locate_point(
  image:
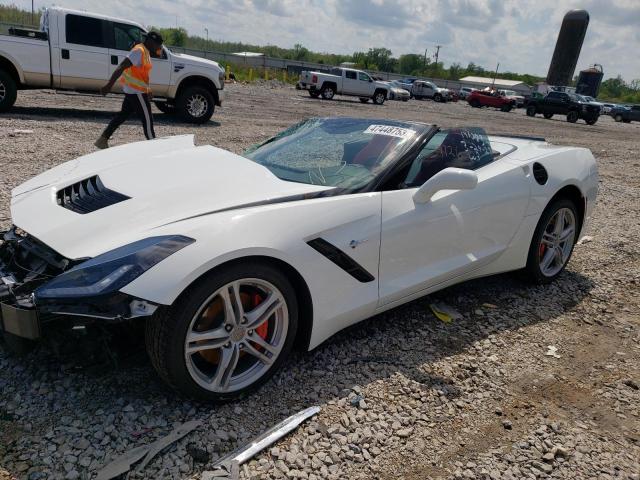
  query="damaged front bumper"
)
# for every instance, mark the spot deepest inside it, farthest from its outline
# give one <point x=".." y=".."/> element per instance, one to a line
<point x="27" y="264"/>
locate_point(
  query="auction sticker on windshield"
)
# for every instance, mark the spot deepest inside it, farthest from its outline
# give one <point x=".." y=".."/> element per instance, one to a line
<point x="390" y="131"/>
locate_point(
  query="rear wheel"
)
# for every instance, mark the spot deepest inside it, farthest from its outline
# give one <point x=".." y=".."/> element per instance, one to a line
<point x="531" y="111"/>
<point x="475" y="103"/>
<point x="196" y="104"/>
<point x="314" y="93"/>
<point x="8" y="91"/>
<point x="328" y="92"/>
<point x="506" y="108"/>
<point x="227" y="335"/>
<point x="553" y="242"/>
<point x="547" y="115"/>
<point x="618" y="118"/>
<point x="572" y="117"/>
<point x="591" y="121"/>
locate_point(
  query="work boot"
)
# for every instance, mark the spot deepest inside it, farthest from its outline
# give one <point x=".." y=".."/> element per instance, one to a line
<point x="102" y="142"/>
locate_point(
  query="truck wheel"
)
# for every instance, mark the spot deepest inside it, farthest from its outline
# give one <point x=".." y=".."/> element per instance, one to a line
<point x="364" y="100"/>
<point x="328" y="92"/>
<point x="618" y="118"/>
<point x="591" y="121"/>
<point x="314" y="93"/>
<point x="379" y="98"/>
<point x="572" y="117"/>
<point x="547" y="115"/>
<point x="8" y="91"/>
<point x="165" y="107"/>
<point x="475" y="103"/>
<point x="196" y="104"/>
<point x="437" y="97"/>
<point x="506" y="108"/>
<point x="531" y="111"/>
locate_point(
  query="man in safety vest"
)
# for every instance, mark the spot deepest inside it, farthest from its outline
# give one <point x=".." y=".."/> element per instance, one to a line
<point x="134" y="72"/>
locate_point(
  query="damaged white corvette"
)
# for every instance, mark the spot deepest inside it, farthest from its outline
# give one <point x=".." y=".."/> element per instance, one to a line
<point x="232" y="260"/>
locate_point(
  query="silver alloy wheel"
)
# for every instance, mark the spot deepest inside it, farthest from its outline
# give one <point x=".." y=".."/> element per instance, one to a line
<point x="197" y="105"/>
<point x="328" y="93"/>
<point x="557" y="241"/>
<point x="3" y="90"/>
<point x="245" y="343"/>
<point x="380" y="98"/>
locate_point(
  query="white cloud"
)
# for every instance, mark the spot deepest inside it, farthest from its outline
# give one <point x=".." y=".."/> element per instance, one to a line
<point x="520" y="34"/>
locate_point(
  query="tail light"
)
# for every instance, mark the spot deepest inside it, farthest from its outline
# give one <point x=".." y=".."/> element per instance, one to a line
<point x="314" y="79"/>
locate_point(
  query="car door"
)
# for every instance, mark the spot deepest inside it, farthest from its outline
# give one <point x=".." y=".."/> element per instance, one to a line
<point x="124" y="38"/>
<point x="350" y="82"/>
<point x="457" y="231"/>
<point x="366" y="87"/>
<point x="84" y="53"/>
<point x="429" y="90"/>
<point x="634" y="114"/>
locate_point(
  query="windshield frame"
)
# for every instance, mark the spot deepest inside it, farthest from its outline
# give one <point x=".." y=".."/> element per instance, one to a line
<point x="424" y="133"/>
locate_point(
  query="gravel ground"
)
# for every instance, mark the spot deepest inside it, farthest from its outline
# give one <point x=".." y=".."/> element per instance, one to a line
<point x="403" y="395"/>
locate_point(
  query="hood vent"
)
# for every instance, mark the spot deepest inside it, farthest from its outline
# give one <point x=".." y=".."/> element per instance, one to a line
<point x="88" y="196"/>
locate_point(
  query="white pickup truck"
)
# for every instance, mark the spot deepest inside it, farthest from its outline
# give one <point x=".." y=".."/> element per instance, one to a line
<point x="344" y="81"/>
<point x="79" y="51"/>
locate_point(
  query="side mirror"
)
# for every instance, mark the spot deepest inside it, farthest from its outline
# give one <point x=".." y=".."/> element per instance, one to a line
<point x="447" y="179"/>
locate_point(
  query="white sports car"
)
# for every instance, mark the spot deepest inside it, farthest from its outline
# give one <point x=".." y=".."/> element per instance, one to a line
<point x="231" y="260"/>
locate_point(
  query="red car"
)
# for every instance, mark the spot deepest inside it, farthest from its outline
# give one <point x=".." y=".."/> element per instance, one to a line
<point x="482" y="98"/>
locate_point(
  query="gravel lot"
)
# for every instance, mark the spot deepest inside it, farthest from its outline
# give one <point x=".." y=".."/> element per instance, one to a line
<point x="403" y="395"/>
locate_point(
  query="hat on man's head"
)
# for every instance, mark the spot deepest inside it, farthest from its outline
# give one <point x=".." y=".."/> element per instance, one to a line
<point x="155" y="36"/>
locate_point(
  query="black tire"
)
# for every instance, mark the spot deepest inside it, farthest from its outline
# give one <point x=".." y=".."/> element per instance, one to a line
<point x="314" y="93"/>
<point x="328" y="92"/>
<point x="167" y="108"/>
<point x="8" y="91"/>
<point x="475" y="103"/>
<point x="18" y="346"/>
<point x="547" y="115"/>
<point x="591" y="121"/>
<point x="405" y="99"/>
<point x="165" y="332"/>
<point x="533" y="272"/>
<point x="618" y="118"/>
<point x="195" y="104"/>
<point x="437" y="97"/>
<point x="379" y="97"/>
<point x="572" y="116"/>
<point x="364" y="100"/>
<point x="531" y="111"/>
<point x="506" y="108"/>
<point x="626" y="121"/>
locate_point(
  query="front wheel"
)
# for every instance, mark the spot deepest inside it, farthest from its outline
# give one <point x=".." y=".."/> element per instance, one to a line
<point x="547" y="115"/>
<point x="553" y="242"/>
<point x="8" y="91"/>
<point x="591" y="121"/>
<point x="379" y="98"/>
<point x="475" y="103"/>
<point x="506" y="108"/>
<point x="618" y="118"/>
<point x="437" y="97"/>
<point x="531" y="111"/>
<point x="572" y="117"/>
<point x="196" y="104"/>
<point x="227" y="335"/>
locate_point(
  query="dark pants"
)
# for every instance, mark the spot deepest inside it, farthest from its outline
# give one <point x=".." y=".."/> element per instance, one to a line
<point x="136" y="103"/>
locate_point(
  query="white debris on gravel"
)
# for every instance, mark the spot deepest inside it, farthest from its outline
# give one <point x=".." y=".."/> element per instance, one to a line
<point x="403" y="395"/>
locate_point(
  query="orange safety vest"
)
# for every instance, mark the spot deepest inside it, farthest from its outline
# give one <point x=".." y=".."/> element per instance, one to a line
<point x="138" y="77"/>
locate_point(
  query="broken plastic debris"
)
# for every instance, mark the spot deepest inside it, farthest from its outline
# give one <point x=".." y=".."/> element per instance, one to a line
<point x="231" y="462"/>
<point x="445" y="313"/>
<point x="124" y="463"/>
<point x="22" y="132"/>
<point x="489" y="305"/>
<point x="552" y="351"/>
<point x="585" y="239"/>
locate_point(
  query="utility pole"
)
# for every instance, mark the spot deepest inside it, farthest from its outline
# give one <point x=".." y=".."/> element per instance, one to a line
<point x="493" y="85"/>
<point x="207" y="30"/>
<point x="32" y="12"/>
<point x="425" y="58"/>
<point x="437" y="53"/>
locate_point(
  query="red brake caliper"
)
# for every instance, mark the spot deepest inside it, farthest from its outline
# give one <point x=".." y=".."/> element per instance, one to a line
<point x="262" y="330"/>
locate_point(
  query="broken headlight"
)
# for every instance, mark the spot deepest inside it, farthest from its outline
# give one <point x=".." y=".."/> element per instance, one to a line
<point x="109" y="272"/>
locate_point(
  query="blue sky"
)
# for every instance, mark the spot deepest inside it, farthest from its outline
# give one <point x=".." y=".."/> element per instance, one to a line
<point x="520" y="34"/>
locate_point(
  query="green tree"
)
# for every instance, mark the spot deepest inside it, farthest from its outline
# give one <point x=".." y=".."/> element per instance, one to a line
<point x="410" y="63"/>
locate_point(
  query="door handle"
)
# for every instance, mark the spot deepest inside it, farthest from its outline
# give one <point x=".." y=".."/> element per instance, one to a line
<point x="65" y="54"/>
<point x="114" y="60"/>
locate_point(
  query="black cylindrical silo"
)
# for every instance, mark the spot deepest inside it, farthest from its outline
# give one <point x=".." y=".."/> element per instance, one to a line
<point x="565" y="56"/>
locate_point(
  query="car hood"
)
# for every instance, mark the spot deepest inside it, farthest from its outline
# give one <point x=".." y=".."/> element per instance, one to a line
<point x="167" y="180"/>
<point x="197" y="61"/>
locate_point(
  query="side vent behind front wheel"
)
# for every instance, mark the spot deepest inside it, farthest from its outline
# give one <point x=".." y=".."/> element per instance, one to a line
<point x="540" y="173"/>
